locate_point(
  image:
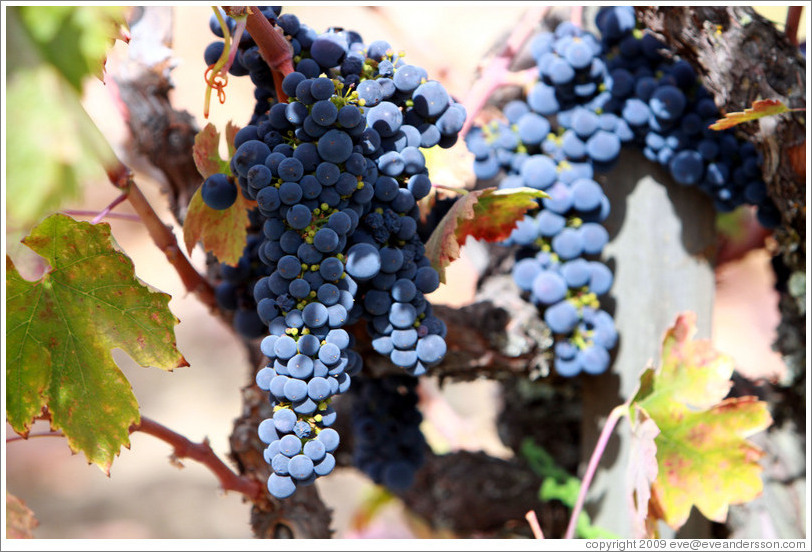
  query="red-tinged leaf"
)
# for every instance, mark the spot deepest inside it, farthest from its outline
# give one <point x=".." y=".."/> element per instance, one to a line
<point x="206" y="152"/>
<point x="703" y="457"/>
<point x="642" y="470"/>
<point x="221" y="232"/>
<point x="62" y="328"/>
<point x="761" y="108"/>
<point x="231" y="132"/>
<point x="20" y="520"/>
<point x="489" y="215"/>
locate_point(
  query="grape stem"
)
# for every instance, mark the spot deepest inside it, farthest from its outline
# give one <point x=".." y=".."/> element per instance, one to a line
<point x="32" y="435"/>
<point x="122" y="178"/>
<point x="106" y="211"/>
<point x="793" y="21"/>
<point x="615" y="415"/>
<point x="495" y="74"/>
<point x="203" y="453"/>
<point x="183" y="448"/>
<point x="531" y="518"/>
<point x="275" y="49"/>
<point x="83" y="213"/>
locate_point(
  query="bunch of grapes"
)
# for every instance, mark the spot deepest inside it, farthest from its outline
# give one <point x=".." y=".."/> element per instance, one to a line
<point x="336" y="172"/>
<point x="593" y="97"/>
<point x="388" y="444"/>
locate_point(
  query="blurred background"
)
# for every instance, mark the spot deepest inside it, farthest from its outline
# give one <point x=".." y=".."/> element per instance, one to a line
<point x="148" y="497"/>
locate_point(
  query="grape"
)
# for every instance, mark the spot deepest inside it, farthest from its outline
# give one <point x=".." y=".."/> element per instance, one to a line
<point x="431" y="349"/>
<point x="430" y="99"/>
<point x="325" y="466"/>
<point x="363" y="261"/>
<point x="576" y="273"/>
<point x="385" y="118"/>
<point x="548" y="287"/>
<point x="593" y="360"/>
<point x="561" y="317"/>
<point x="218" y="192"/>
<point x="281" y="486"/>
<point x="524" y="273"/>
<point x="335" y="146"/>
<point x="667" y="102"/>
<point x="539" y="172"/>
<point x="594" y="237"/>
<point x="687" y="167"/>
<point x="550" y="224"/>
<point x="568" y="244"/>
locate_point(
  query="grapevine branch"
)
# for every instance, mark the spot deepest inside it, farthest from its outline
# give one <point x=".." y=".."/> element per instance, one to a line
<point x="793" y="21"/>
<point x="121" y="177"/>
<point x="203" y="453"/>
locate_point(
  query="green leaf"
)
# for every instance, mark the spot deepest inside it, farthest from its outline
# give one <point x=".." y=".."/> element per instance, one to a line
<point x="761" y="108"/>
<point x="703" y="457"/>
<point x="20" y="520"/>
<point x="55" y="146"/>
<point x="72" y="39"/>
<point x="489" y="214"/>
<point x="60" y="331"/>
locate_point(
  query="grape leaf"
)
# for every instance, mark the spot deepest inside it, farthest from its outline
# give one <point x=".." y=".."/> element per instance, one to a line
<point x="60" y="331"/>
<point x="703" y="456"/>
<point x="20" y="520"/>
<point x="231" y="133"/>
<point x="761" y="108"/>
<point x="221" y="232"/>
<point x="488" y="214"/>
<point x="73" y="39"/>
<point x="56" y="145"/>
<point x="642" y="471"/>
<point x="206" y="152"/>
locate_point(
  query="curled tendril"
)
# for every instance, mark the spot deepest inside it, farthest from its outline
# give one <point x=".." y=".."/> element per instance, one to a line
<point x="218" y="81"/>
<point x="216" y="75"/>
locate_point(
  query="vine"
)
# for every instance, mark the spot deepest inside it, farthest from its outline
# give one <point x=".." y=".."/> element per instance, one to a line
<point x="59" y="366"/>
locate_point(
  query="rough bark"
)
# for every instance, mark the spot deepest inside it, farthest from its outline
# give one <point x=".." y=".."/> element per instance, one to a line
<point x="162" y="137"/>
<point x="741" y="57"/>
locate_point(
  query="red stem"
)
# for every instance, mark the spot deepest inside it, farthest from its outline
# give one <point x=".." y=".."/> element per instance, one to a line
<point x="32" y="435"/>
<point x="600" y="448"/>
<point x="577" y="16"/>
<point x="106" y="211"/>
<point x="496" y="73"/>
<point x="534" y="524"/>
<point x="122" y="178"/>
<point x="82" y="213"/>
<point x="203" y="453"/>
<point x="275" y="49"/>
<point x="793" y="21"/>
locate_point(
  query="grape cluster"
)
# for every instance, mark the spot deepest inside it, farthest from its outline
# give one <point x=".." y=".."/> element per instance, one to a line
<point x="388" y="444"/>
<point x="234" y="292"/>
<point x="336" y="172"/>
<point x="593" y="97"/>
<point x="670" y="112"/>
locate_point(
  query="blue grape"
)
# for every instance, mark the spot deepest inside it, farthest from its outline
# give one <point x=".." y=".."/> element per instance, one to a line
<point x="218" y="192"/>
